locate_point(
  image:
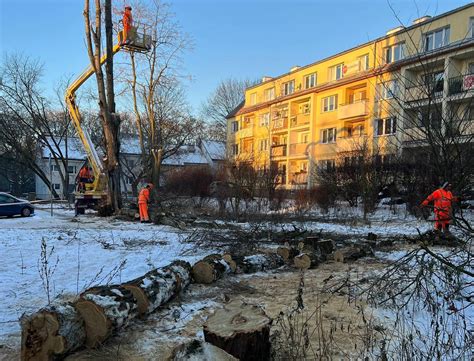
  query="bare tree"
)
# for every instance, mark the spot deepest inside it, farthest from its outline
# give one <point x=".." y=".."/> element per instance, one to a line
<point x="225" y="98"/>
<point x="110" y="123"/>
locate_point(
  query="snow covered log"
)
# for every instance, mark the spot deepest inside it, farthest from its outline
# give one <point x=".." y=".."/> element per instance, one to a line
<point x="259" y="262"/>
<point x="240" y="329"/>
<point x="51" y="332"/>
<point x="105" y="309"/>
<point x="210" y="269"/>
<point x="352" y="253"/>
<point x="159" y="285"/>
<point x="199" y="350"/>
<point x="287" y="253"/>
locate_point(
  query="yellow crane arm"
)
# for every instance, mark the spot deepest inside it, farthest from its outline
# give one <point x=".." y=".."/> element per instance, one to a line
<point x="91" y="152"/>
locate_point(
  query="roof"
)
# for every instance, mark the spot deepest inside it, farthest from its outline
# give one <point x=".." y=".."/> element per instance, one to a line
<point x="75" y="150"/>
<point x="234" y="112"/>
<point x="215" y="149"/>
<point x="186" y="155"/>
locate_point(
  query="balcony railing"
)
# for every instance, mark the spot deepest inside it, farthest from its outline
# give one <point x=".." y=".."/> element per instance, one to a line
<point x="279" y="150"/>
<point x="351" y="110"/>
<point x="300" y="119"/>
<point x="299" y="178"/>
<point x="245" y="132"/>
<point x="280" y="124"/>
<point x="424" y="91"/>
<point x="298" y="148"/>
<point x="461" y="84"/>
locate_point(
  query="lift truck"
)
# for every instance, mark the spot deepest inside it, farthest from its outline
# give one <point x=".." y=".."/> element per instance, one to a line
<point x="94" y="195"/>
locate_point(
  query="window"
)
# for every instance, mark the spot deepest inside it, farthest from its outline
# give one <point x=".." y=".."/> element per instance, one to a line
<point x="263" y="145"/>
<point x="330" y="103"/>
<point x="234" y="126"/>
<point x="327" y="164"/>
<point x="304" y="138"/>
<point x="305" y="108"/>
<point x="436" y="39"/>
<point x="129" y="180"/>
<point x="470" y="68"/>
<point x="57" y="186"/>
<point x="336" y="72"/>
<point x="71" y="169"/>
<point x="356" y="131"/>
<point x="471" y="27"/>
<point x="253" y="98"/>
<point x="430" y="118"/>
<point x="130" y="163"/>
<point x="434" y="82"/>
<point x="235" y="149"/>
<point x="269" y="94"/>
<point x="328" y="135"/>
<point x="54" y="168"/>
<point x="6" y="199"/>
<point x="363" y="62"/>
<point x="265" y="120"/>
<point x="310" y="81"/>
<point x="386" y="126"/>
<point x="304" y="167"/>
<point x="288" y="88"/>
<point x="388" y="89"/>
<point x="394" y="53"/>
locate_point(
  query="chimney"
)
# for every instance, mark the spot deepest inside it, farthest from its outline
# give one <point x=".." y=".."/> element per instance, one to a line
<point x="266" y="78"/>
<point x="395" y="30"/>
<point x="296" y="67"/>
<point x="421" y="20"/>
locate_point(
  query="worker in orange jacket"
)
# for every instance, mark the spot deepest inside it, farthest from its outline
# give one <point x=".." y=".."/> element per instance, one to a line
<point x="143" y="200"/>
<point x="127" y="21"/>
<point x="443" y="200"/>
<point x="85" y="176"/>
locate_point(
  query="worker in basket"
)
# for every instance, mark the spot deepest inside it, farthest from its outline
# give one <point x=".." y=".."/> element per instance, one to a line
<point x="85" y="176"/>
<point x="443" y="202"/>
<point x="143" y="200"/>
<point x="127" y="22"/>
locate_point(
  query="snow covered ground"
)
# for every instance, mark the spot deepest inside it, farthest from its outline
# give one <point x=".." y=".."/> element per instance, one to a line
<point x="88" y="250"/>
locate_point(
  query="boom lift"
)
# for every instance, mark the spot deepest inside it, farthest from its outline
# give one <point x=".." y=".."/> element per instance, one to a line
<point x="95" y="194"/>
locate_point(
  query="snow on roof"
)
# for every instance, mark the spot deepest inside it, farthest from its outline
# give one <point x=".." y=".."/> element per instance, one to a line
<point x="75" y="150"/>
<point x="188" y="154"/>
<point x="215" y="149"/>
<point x="130" y="146"/>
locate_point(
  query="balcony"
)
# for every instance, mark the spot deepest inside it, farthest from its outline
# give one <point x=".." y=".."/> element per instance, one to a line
<point x="461" y="84"/>
<point x="245" y="132"/>
<point x="279" y="150"/>
<point x="347" y="144"/>
<point x="280" y="124"/>
<point x="299" y="178"/>
<point x="300" y="119"/>
<point x="298" y="149"/>
<point x="352" y="110"/>
<point x="431" y="90"/>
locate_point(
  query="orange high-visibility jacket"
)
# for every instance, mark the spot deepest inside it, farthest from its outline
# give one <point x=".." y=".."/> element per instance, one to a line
<point x="144" y="196"/>
<point x="127" y="19"/>
<point x="84" y="173"/>
<point x="442" y="199"/>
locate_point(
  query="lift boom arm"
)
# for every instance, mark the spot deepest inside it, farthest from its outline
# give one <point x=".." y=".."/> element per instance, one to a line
<point x="91" y="152"/>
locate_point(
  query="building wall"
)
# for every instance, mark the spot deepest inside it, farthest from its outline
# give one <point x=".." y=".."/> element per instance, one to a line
<point x="300" y="125"/>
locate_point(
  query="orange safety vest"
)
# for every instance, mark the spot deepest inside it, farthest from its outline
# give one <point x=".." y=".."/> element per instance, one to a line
<point x="84" y="173"/>
<point x="144" y="196"/>
<point x="442" y="199"/>
<point x="127" y="19"/>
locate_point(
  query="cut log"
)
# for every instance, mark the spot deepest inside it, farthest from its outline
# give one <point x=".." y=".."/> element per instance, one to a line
<point x="159" y="285"/>
<point x="210" y="269"/>
<point x="259" y="262"/>
<point x="306" y="260"/>
<point x="352" y="253"/>
<point x="52" y="331"/>
<point x="227" y="257"/>
<point x="287" y="253"/>
<point x="105" y="309"/>
<point x="198" y="350"/>
<point x="325" y="247"/>
<point x="240" y="329"/>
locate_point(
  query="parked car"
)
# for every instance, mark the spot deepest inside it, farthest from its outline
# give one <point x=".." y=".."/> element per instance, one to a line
<point x="11" y="206"/>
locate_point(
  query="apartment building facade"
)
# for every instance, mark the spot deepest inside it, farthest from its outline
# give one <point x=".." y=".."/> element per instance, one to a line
<point x="375" y="97"/>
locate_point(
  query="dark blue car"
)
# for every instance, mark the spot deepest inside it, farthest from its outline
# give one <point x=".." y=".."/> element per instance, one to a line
<point x="11" y="206"/>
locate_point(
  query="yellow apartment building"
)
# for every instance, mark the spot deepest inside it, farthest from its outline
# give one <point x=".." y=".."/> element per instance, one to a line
<point x="368" y="97"/>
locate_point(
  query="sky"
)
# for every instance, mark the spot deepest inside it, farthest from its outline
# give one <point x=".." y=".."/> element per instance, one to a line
<point x="242" y="39"/>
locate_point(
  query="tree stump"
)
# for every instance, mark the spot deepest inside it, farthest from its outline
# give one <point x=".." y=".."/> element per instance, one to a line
<point x="325" y="246"/>
<point x="159" y="286"/>
<point x="210" y="269"/>
<point x="351" y="253"/>
<point x="105" y="309"/>
<point x="199" y="350"/>
<point x="52" y="331"/>
<point x="241" y="330"/>
<point x="287" y="253"/>
<point x="306" y="260"/>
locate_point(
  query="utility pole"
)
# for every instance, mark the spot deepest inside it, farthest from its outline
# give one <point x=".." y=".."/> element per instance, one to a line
<point x="51" y="183"/>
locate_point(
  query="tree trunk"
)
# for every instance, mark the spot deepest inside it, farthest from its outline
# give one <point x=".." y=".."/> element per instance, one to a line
<point x="160" y="285"/>
<point x="240" y="329"/>
<point x="259" y="262"/>
<point x="52" y="331"/>
<point x="352" y="253"/>
<point x="210" y="269"/>
<point x="105" y="309"/>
